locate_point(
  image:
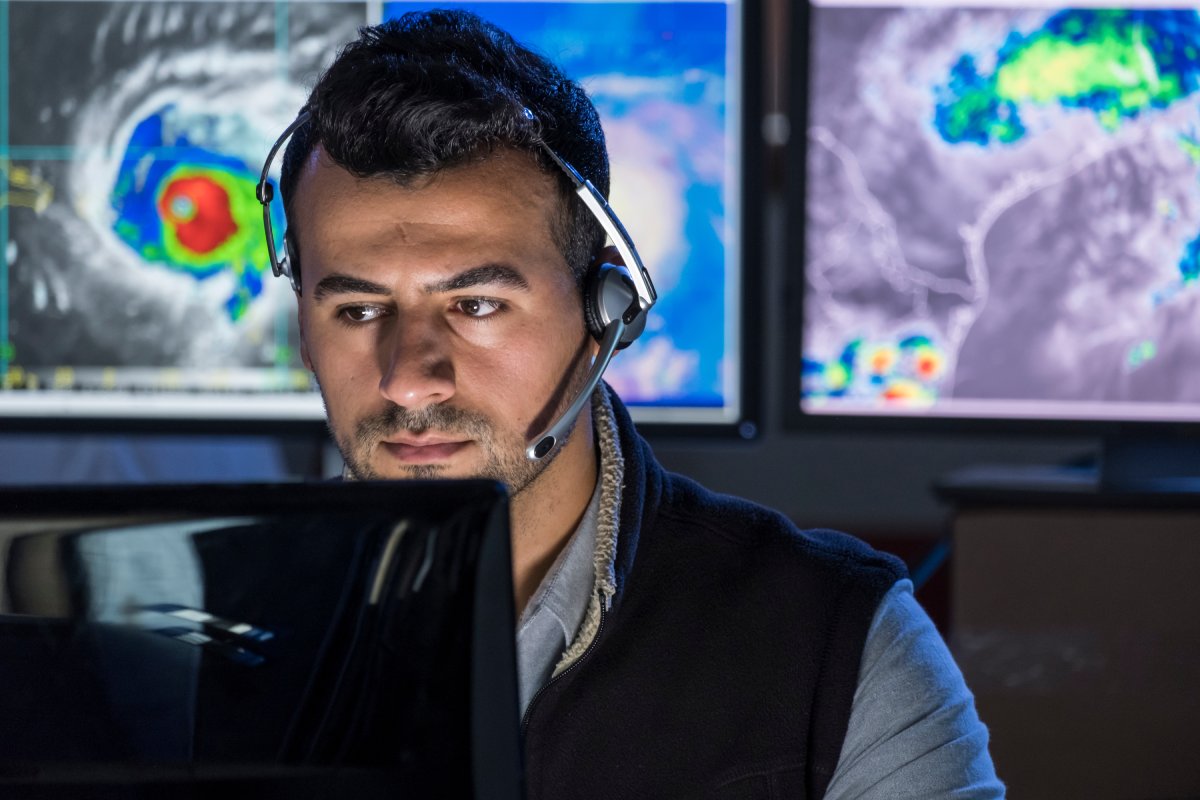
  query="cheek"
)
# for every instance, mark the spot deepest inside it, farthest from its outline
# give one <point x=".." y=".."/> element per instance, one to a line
<point x="334" y="350"/>
<point x="342" y="373"/>
<point x="519" y="376"/>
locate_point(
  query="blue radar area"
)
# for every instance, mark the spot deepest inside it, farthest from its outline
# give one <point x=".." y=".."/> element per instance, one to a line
<point x="1189" y="265"/>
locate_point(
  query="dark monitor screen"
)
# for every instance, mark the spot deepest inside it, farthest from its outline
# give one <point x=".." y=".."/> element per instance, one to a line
<point x="995" y="214"/>
<point x="357" y="637"/>
<point x="137" y="282"/>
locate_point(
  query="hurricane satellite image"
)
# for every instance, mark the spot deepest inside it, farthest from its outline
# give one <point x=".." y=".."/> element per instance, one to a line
<point x="1003" y="212"/>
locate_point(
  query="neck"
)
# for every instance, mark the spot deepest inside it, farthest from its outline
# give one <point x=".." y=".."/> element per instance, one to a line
<point x="549" y="510"/>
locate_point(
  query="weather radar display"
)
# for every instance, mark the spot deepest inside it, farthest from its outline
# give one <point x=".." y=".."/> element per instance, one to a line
<point x="1003" y="212"/>
<point x="137" y="281"/>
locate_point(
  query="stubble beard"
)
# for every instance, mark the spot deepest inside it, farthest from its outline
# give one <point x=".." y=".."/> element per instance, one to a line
<point x="504" y="461"/>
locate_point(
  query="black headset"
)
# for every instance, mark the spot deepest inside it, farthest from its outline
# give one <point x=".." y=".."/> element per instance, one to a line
<point x="616" y="298"/>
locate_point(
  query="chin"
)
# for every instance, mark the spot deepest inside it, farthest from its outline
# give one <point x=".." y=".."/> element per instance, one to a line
<point x="419" y="472"/>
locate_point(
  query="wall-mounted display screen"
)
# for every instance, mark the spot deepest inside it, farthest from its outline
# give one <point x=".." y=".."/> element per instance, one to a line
<point x="137" y="282"/>
<point x="1000" y="213"/>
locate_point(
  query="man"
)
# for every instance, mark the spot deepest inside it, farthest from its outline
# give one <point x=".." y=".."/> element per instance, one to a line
<point x="672" y="643"/>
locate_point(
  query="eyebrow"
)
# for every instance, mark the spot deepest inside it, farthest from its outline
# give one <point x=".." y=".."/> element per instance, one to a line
<point x="488" y="274"/>
<point x="345" y="284"/>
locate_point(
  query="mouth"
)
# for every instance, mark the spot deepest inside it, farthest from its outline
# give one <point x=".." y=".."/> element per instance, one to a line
<point x="424" y="449"/>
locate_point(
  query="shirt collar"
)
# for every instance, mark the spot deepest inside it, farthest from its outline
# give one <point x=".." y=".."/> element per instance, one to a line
<point x="564" y="592"/>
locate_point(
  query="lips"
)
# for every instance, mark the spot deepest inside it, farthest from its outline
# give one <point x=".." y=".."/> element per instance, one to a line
<point x="424" y="450"/>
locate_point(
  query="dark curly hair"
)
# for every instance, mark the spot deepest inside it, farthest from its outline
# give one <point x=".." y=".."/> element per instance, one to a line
<point x="437" y="89"/>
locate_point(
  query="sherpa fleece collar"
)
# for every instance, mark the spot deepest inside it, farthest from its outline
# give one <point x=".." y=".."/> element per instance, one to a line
<point x="612" y="475"/>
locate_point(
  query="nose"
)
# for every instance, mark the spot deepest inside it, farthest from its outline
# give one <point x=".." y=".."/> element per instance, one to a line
<point x="417" y="369"/>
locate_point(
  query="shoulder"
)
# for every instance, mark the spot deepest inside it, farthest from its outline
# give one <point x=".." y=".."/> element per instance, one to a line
<point x="913" y="730"/>
<point x="692" y="511"/>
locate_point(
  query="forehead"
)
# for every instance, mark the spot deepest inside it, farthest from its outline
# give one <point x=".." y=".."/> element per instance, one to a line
<point x="503" y="201"/>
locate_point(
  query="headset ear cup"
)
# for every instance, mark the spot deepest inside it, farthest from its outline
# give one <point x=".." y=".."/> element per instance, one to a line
<point x="608" y="292"/>
<point x="592" y="285"/>
<point x="291" y="254"/>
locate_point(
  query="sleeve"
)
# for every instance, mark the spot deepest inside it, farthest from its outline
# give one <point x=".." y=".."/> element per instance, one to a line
<point x="913" y="730"/>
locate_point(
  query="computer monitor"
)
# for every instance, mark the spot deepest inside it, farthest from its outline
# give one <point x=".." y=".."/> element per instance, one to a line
<point x="137" y="283"/>
<point x="340" y="639"/>
<point x="995" y="217"/>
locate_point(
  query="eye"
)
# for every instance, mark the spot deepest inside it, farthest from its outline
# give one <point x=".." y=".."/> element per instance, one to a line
<point x="360" y="314"/>
<point x="478" y="306"/>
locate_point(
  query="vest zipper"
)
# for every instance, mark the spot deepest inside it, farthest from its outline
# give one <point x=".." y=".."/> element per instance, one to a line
<point x="587" y="652"/>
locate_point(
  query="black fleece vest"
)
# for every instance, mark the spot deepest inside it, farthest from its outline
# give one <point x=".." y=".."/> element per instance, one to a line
<point x="726" y="667"/>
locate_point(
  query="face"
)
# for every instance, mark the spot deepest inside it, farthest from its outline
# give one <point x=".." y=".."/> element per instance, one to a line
<point x="440" y="319"/>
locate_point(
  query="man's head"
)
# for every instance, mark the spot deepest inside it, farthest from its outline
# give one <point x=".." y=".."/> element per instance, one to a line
<point x="435" y="90"/>
<point x="442" y="250"/>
